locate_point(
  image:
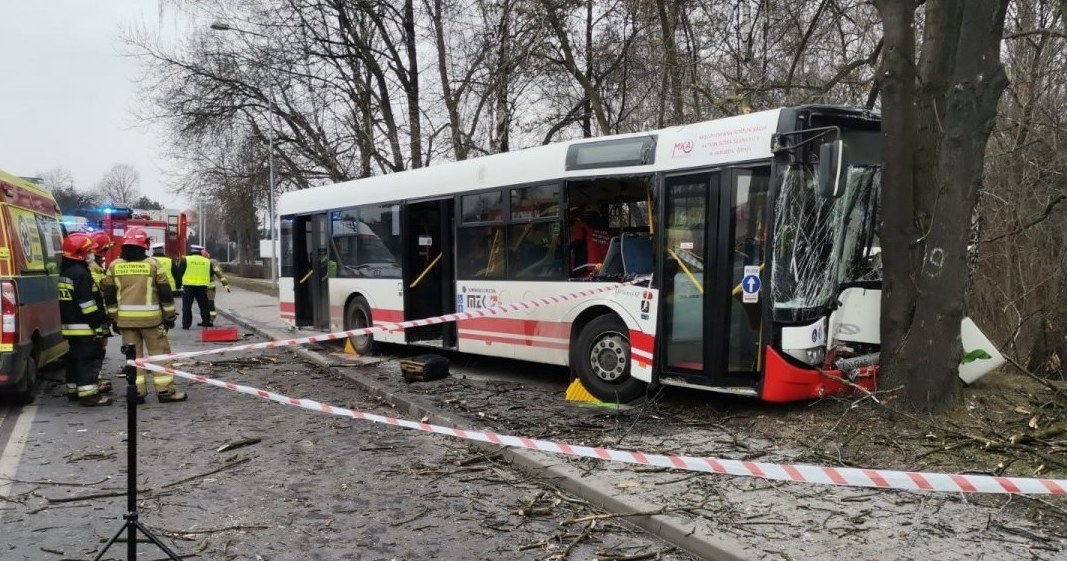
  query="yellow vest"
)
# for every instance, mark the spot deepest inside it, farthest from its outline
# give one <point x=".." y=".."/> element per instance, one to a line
<point x="97" y="271"/>
<point x="165" y="263"/>
<point x="197" y="271"/>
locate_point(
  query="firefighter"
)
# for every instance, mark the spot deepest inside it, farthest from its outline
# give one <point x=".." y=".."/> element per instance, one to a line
<point x="83" y="320"/>
<point x="159" y="254"/>
<point x="138" y="297"/>
<point x="216" y="274"/>
<point x="101" y="244"/>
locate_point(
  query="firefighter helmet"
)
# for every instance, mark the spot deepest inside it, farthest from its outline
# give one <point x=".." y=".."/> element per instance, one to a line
<point x="101" y="240"/>
<point x="136" y="237"/>
<point x="77" y="246"/>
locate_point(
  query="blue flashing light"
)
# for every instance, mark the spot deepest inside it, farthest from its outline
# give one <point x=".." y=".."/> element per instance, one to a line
<point x="108" y="210"/>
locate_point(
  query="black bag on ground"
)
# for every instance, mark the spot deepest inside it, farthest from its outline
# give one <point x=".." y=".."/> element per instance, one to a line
<point x="424" y="368"/>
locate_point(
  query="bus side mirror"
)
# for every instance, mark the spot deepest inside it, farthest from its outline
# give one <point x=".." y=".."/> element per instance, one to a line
<point x="833" y="169"/>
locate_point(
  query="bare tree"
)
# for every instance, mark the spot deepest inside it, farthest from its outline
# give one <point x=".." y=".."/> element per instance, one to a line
<point x="120" y="184"/>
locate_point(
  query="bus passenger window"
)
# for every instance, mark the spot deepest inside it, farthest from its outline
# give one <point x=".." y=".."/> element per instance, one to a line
<point x="534" y="251"/>
<point x="481" y="252"/>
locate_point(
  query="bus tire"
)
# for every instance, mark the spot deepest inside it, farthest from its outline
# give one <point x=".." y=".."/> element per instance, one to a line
<point x="602" y="360"/>
<point x="358" y="316"/>
<point x="24" y="395"/>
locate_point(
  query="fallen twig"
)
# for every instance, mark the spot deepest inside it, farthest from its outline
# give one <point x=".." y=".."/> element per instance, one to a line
<point x="212" y="472"/>
<point x="238" y="444"/>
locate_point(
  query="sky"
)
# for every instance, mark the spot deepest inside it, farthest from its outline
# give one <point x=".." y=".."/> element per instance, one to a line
<point x="68" y="92"/>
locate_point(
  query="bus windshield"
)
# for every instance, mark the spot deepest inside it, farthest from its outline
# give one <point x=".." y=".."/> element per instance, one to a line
<point x="822" y="242"/>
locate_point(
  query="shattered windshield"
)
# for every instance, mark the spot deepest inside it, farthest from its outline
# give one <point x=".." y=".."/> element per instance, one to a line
<point x="822" y="242"/>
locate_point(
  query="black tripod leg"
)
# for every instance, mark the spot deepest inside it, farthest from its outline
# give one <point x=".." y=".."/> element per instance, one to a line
<point x="155" y="540"/>
<point x="111" y="541"/>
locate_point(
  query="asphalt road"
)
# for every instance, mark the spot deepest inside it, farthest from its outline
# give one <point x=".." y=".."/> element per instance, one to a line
<point x="303" y="486"/>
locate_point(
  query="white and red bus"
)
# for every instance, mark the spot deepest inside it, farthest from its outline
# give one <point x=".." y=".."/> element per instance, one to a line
<point x="757" y="233"/>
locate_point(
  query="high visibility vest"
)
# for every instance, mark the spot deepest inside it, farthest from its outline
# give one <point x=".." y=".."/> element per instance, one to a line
<point x="165" y="263"/>
<point x="197" y="271"/>
<point x="97" y="271"/>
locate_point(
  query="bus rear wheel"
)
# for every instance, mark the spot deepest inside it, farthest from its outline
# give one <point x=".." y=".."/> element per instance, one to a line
<point x="602" y="360"/>
<point x="358" y="316"/>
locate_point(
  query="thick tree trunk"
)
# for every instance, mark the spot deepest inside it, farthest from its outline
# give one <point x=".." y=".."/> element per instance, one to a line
<point x="961" y="80"/>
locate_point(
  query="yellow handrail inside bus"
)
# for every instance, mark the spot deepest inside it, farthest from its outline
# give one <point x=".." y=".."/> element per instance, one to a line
<point x="307" y="276"/>
<point x="428" y="267"/>
<point x="648" y="207"/>
<point x="737" y="289"/>
<point x="685" y="269"/>
<point x="493" y="251"/>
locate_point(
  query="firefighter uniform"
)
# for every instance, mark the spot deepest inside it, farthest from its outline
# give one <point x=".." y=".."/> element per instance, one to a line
<point x="102" y="243"/>
<point x="83" y="322"/>
<point x="139" y="299"/>
<point x="216" y="274"/>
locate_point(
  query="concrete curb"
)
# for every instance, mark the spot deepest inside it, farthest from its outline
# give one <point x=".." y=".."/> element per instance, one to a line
<point x="672" y="529"/>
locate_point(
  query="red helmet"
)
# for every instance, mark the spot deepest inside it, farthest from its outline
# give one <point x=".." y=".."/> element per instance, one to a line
<point x="137" y="237"/>
<point x="77" y="246"/>
<point x="101" y="240"/>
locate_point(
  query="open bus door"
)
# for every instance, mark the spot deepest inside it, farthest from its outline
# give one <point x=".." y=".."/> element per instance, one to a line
<point x="311" y="271"/>
<point x="429" y="290"/>
<point x="712" y="245"/>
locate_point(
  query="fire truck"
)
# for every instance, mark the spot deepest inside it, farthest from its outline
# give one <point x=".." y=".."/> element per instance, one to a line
<point x="168" y="226"/>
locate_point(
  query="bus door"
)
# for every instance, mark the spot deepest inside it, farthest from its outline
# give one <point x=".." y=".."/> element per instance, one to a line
<point x="429" y="290"/>
<point x="688" y="302"/>
<point x="312" y="270"/>
<point x="713" y="295"/>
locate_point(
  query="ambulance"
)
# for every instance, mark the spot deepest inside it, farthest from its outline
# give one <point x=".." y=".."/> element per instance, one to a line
<point x="31" y="242"/>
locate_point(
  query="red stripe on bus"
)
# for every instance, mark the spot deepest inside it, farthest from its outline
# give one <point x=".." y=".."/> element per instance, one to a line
<point x="287" y="306"/>
<point x="512" y="326"/>
<point x="382" y="315"/>
<point x="642" y="341"/>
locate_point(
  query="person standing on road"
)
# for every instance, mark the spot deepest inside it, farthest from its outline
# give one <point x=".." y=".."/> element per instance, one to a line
<point x="138" y="297"/>
<point x="195" y="280"/>
<point x="83" y="322"/>
<point x="160" y="255"/>
<point x="101" y="244"/>
<point x="216" y="273"/>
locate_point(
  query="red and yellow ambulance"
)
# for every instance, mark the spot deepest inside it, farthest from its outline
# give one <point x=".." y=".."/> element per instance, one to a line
<point x="31" y="241"/>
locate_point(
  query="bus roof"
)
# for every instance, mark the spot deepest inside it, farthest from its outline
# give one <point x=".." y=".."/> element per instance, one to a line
<point x="707" y="143"/>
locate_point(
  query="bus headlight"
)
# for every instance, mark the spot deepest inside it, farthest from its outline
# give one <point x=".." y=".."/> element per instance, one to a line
<point x="810" y="355"/>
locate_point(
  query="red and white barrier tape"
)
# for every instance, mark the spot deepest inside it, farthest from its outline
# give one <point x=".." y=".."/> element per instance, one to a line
<point x="849" y="477"/>
<point x="386" y="327"/>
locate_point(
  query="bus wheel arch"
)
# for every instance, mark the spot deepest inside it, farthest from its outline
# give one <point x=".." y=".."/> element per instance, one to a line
<point x="600" y="356"/>
<point x="357" y="316"/>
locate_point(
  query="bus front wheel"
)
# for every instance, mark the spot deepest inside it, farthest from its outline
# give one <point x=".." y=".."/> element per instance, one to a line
<point x="358" y="316"/>
<point x="602" y="360"/>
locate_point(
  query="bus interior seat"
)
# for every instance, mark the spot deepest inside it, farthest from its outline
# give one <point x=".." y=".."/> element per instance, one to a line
<point x="629" y="254"/>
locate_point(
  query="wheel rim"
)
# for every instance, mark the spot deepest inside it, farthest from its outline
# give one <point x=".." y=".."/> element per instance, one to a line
<point x="609" y="356"/>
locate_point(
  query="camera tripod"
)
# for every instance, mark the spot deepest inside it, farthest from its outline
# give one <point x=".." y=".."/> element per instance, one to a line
<point x="132" y="524"/>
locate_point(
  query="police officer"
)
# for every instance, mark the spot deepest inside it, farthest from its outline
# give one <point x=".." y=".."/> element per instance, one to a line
<point x="216" y="273"/>
<point x="195" y="279"/>
<point x="160" y="255"/>
<point x="138" y="297"/>
<point x="83" y="321"/>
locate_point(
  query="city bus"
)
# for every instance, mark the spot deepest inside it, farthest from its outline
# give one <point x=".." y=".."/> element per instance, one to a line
<point x="745" y="249"/>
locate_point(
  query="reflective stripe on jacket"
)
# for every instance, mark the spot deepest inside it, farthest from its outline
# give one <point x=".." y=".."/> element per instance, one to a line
<point x="79" y="309"/>
<point x="138" y="293"/>
<point x="197" y="271"/>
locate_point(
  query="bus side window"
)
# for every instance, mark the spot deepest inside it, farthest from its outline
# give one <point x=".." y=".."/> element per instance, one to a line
<point x="480" y="252"/>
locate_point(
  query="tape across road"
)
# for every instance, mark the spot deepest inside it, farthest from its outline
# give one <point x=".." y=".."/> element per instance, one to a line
<point x="850" y="477"/>
<point x="800" y="473"/>
<point x="387" y="327"/>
